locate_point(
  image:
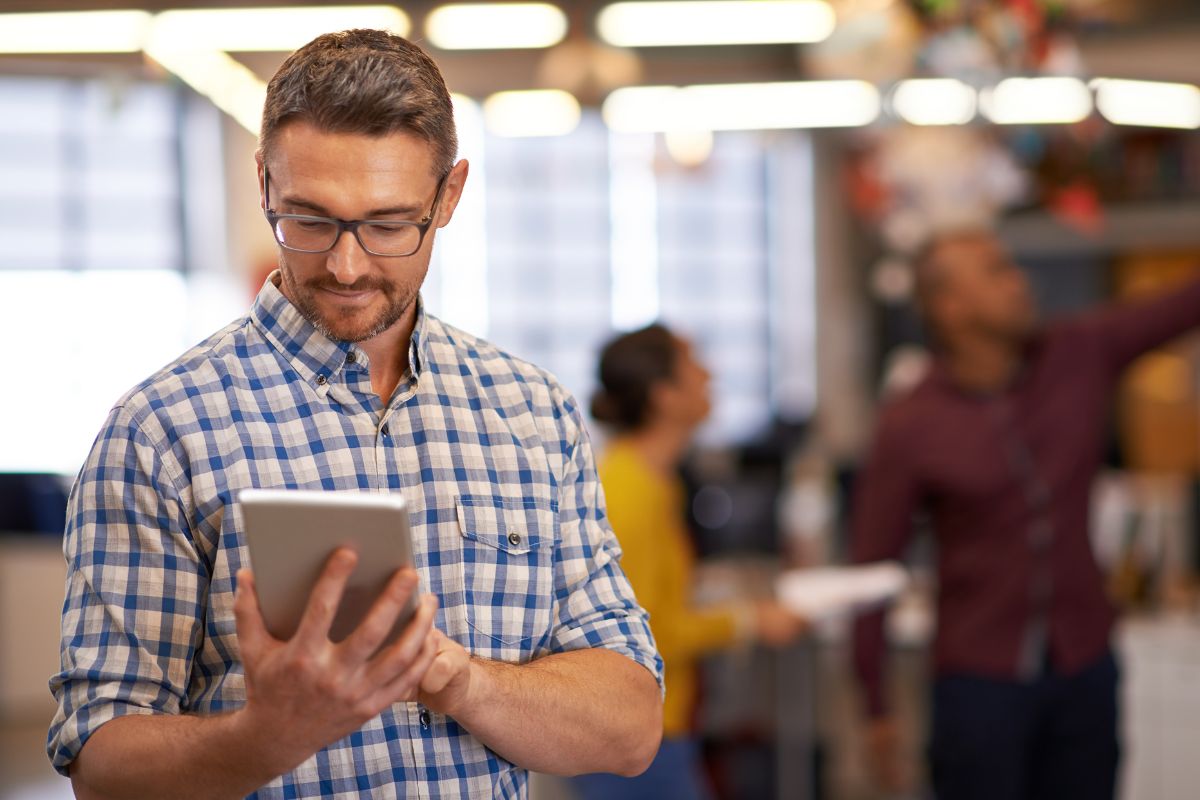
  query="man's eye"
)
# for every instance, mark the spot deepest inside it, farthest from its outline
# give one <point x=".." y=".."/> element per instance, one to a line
<point x="390" y="230"/>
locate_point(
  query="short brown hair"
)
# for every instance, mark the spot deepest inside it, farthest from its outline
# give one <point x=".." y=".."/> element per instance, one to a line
<point x="363" y="81"/>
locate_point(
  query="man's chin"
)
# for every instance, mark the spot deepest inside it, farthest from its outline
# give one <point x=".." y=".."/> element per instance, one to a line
<point x="351" y="330"/>
<point x="360" y="325"/>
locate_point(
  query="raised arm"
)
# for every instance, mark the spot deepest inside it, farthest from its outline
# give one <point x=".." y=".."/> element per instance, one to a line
<point x="1129" y="329"/>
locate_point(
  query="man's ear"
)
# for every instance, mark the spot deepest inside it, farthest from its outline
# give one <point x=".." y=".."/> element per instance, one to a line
<point x="262" y="197"/>
<point x="452" y="192"/>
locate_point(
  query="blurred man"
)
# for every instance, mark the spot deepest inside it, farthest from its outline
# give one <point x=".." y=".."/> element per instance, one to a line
<point x="998" y="447"/>
<point x="529" y="652"/>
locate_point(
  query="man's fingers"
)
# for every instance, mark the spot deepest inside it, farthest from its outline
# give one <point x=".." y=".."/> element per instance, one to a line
<point x="251" y="630"/>
<point x="438" y="676"/>
<point x="379" y="621"/>
<point x="326" y="595"/>
<point x="403" y="687"/>
<point x="397" y="657"/>
<point x="450" y="661"/>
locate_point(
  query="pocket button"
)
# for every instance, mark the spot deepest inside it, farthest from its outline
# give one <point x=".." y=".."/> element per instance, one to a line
<point x="514" y="539"/>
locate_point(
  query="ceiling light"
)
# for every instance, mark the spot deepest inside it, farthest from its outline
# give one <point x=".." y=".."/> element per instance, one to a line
<point x="494" y="26"/>
<point x="934" y="101"/>
<point x="713" y="22"/>
<point x="1036" y="101"/>
<point x="689" y="148"/>
<point x="743" y="106"/>
<point x="1148" y="103"/>
<point x="268" y="29"/>
<point x="539" y="112"/>
<point x="230" y="85"/>
<point x="74" y="32"/>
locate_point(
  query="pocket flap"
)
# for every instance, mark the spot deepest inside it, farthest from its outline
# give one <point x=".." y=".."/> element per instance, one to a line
<point x="514" y="525"/>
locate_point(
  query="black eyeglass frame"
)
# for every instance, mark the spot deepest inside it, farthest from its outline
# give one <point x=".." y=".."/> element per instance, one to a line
<point x="351" y="225"/>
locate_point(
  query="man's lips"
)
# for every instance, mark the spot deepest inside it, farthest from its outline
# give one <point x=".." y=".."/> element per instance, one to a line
<point x="349" y="294"/>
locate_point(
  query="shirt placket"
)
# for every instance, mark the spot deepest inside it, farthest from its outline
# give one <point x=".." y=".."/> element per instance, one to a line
<point x="390" y="461"/>
<point x="1035" y="640"/>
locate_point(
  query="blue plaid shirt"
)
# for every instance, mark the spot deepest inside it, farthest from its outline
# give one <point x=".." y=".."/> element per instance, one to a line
<point x="479" y="443"/>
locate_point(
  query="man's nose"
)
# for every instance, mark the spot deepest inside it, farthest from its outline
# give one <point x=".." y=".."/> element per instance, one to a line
<point x="347" y="260"/>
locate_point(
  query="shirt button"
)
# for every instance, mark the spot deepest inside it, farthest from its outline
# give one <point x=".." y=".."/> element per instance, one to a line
<point x="385" y="430"/>
<point x="424" y="719"/>
<point x="351" y="357"/>
<point x="321" y="380"/>
<point x="514" y="539"/>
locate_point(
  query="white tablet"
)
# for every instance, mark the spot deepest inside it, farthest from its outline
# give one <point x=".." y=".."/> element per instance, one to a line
<point x="291" y="533"/>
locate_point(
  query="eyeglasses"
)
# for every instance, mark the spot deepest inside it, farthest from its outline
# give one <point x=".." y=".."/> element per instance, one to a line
<point x="308" y="234"/>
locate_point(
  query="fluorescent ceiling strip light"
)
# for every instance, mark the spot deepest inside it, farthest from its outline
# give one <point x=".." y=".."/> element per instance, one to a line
<point x="743" y="106"/>
<point x="1149" y="104"/>
<point x="934" y="101"/>
<point x="495" y="26"/>
<point x="74" y="32"/>
<point x="539" y="112"/>
<point x="230" y="85"/>
<point x="279" y="29"/>
<point x="1037" y="101"/>
<point x="715" y="22"/>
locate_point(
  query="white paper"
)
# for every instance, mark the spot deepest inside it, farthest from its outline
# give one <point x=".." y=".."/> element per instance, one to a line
<point x="825" y="592"/>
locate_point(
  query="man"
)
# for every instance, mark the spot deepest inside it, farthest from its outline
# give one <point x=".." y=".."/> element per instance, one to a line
<point x="998" y="445"/>
<point x="529" y="650"/>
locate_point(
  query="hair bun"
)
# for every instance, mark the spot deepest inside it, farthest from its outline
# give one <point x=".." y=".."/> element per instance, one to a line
<point x="604" y="408"/>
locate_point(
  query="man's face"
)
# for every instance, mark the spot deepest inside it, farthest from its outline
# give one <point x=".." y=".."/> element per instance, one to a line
<point x="983" y="291"/>
<point x="347" y="293"/>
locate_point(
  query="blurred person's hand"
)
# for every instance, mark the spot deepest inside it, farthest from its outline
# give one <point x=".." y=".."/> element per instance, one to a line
<point x="885" y="755"/>
<point x="775" y="625"/>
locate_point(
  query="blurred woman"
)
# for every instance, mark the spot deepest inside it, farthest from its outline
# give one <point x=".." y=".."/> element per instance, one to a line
<point x="654" y="395"/>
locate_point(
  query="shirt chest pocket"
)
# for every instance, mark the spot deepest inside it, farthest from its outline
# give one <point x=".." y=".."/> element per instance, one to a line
<point x="508" y="573"/>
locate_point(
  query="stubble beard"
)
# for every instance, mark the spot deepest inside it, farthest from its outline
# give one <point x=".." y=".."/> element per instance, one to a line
<point x="350" y="326"/>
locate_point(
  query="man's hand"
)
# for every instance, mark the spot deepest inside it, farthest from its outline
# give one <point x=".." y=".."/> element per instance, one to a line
<point x="307" y="692"/>
<point x="448" y="683"/>
<point x="885" y="754"/>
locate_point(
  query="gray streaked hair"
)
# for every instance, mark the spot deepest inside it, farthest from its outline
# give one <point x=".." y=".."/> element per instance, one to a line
<point x="363" y="81"/>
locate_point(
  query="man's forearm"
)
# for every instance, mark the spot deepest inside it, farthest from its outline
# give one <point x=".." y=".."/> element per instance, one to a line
<point x="567" y="714"/>
<point x="178" y="756"/>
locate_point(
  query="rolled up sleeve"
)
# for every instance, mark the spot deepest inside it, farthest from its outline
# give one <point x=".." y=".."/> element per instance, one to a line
<point x="135" y="590"/>
<point x="596" y="606"/>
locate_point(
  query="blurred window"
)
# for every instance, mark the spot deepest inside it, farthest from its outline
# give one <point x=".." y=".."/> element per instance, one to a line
<point x="582" y="234"/>
<point x="90" y="175"/>
<point x="95" y="290"/>
<point x="548" y="249"/>
<point x="712" y="239"/>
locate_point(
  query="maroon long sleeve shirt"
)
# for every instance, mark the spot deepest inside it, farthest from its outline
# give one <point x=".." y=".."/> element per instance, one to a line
<point x="1005" y="480"/>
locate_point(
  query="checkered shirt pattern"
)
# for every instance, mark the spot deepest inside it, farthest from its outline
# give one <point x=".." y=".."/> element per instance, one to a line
<point x="480" y="444"/>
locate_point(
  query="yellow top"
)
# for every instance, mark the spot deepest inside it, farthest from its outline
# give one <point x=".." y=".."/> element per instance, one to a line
<point x="646" y="511"/>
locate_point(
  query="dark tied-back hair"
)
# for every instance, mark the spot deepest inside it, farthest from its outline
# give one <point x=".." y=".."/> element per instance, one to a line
<point x="363" y="81"/>
<point x="630" y="365"/>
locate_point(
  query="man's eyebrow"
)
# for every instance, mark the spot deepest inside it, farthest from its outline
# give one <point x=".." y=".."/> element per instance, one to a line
<point x="320" y="210"/>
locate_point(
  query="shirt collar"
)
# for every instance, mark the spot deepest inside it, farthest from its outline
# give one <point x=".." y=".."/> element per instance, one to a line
<point x="940" y="375"/>
<point x="316" y="358"/>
